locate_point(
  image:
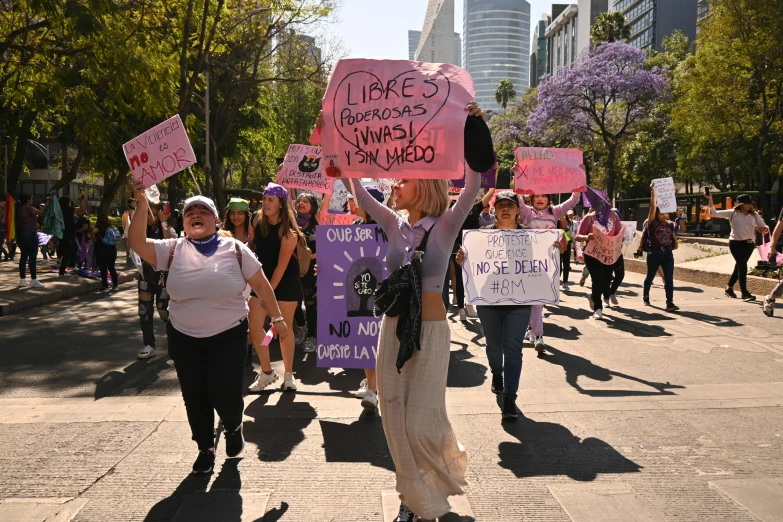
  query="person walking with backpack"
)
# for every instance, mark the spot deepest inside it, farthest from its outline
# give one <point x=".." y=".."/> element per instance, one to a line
<point x="660" y="244"/>
<point x="745" y="222"/>
<point x="275" y="237"/>
<point x="413" y="347"/>
<point x="27" y="239"/>
<point x="105" y="237"/>
<point x="207" y="328"/>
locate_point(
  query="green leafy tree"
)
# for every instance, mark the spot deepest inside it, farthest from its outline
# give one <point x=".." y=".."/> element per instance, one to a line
<point x="505" y="93"/>
<point x="610" y="27"/>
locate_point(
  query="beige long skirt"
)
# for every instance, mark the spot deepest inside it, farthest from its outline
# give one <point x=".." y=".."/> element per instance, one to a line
<point x="430" y="463"/>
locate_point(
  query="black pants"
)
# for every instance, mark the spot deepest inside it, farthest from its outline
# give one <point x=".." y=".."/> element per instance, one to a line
<point x="210" y="372"/>
<point x="741" y="252"/>
<point x="68" y="252"/>
<point x="106" y="258"/>
<point x="459" y="292"/>
<point x="311" y="300"/>
<point x="28" y="244"/>
<point x="617" y="274"/>
<point x="152" y="294"/>
<point x="565" y="263"/>
<point x="600" y="275"/>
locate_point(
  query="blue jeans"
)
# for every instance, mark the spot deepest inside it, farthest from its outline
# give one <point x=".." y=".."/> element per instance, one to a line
<point x="504" y="329"/>
<point x="665" y="260"/>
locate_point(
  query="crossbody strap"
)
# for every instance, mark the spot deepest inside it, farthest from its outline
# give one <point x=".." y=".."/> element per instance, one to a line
<point x="237" y="252"/>
<point x="423" y="245"/>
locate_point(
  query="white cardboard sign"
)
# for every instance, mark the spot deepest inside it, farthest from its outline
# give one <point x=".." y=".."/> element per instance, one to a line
<point x="511" y="267"/>
<point x="665" y="194"/>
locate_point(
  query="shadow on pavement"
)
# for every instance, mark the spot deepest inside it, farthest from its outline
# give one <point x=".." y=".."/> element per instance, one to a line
<point x="556" y="331"/>
<point x="361" y="441"/>
<point x="546" y="449"/>
<point x="576" y="366"/>
<point x="639" y="328"/>
<point x="711" y="319"/>
<point x="138" y="375"/>
<point x="464" y="373"/>
<point x="279" y="428"/>
<point x="166" y="509"/>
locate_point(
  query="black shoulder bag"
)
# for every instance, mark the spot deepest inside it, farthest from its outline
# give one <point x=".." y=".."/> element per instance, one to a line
<point x="399" y="295"/>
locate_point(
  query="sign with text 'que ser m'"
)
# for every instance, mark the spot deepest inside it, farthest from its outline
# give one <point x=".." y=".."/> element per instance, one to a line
<point x="351" y="265"/>
<point x="395" y="119"/>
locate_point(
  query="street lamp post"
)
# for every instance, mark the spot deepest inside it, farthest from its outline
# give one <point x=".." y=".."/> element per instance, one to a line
<point x="44" y="149"/>
<point x="206" y="127"/>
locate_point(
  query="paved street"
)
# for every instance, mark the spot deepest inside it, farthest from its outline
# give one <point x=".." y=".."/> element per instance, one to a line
<point x="641" y="416"/>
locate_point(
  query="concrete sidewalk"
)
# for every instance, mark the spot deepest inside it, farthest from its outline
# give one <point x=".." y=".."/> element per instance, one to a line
<point x="641" y="416"/>
<point x="14" y="299"/>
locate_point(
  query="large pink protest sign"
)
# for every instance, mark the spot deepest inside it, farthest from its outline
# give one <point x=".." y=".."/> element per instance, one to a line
<point x="548" y="171"/>
<point x="606" y="249"/>
<point x="395" y="119"/>
<point x="303" y="169"/>
<point x="160" y="152"/>
<point x="337" y="218"/>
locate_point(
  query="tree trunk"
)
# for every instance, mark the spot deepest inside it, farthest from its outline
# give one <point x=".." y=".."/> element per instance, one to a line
<point x="610" y="169"/>
<point x="69" y="175"/>
<point x="216" y="176"/>
<point x="111" y="187"/>
<point x="763" y="198"/>
<point x="21" y="147"/>
<point x="245" y="169"/>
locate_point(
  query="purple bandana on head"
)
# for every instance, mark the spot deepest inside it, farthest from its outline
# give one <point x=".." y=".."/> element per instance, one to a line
<point x="600" y="205"/>
<point x="273" y="189"/>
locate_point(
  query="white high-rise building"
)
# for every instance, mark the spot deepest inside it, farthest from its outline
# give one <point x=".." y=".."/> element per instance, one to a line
<point x="496" y="37"/>
<point x="437" y="36"/>
<point x="414" y="37"/>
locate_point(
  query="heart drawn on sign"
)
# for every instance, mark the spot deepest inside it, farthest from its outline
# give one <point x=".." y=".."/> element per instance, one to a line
<point x="385" y="103"/>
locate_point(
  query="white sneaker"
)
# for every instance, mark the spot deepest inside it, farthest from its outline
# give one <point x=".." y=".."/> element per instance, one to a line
<point x="370" y="401"/>
<point x="462" y="315"/>
<point x="147" y="352"/>
<point x="613" y="299"/>
<point x="565" y="287"/>
<point x="23" y="283"/>
<point x="36" y="284"/>
<point x="530" y="336"/>
<point x="598" y="314"/>
<point x="539" y="344"/>
<point x="607" y="303"/>
<point x="289" y="382"/>
<point x="471" y="311"/>
<point x="262" y="381"/>
<point x="359" y="394"/>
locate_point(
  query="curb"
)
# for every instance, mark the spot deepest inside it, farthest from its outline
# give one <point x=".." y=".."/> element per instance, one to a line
<point x="757" y="285"/>
<point x="34" y="300"/>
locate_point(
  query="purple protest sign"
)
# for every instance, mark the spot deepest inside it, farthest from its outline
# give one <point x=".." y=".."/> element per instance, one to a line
<point x="488" y="178"/>
<point x="350" y="267"/>
<point x="600" y="205"/>
<point x="586" y="202"/>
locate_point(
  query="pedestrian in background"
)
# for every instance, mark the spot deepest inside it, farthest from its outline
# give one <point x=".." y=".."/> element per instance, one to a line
<point x="661" y="242"/>
<point x="745" y="222"/>
<point x="105" y="238"/>
<point x="27" y="239"/>
<point x="599" y="272"/>
<point x="68" y="241"/>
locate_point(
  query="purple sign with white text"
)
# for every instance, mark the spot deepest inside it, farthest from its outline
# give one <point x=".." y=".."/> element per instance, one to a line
<point x="351" y="265"/>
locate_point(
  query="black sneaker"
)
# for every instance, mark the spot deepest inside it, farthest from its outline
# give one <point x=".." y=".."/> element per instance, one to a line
<point x="235" y="442"/>
<point x="646" y="300"/>
<point x="205" y="462"/>
<point x="671" y="307"/>
<point x="406" y="515"/>
<point x="730" y="293"/>
<point x="748" y="297"/>
<point x="497" y="383"/>
<point x="510" y="408"/>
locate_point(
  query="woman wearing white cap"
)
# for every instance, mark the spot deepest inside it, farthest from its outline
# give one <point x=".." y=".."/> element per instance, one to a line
<point x="207" y="327"/>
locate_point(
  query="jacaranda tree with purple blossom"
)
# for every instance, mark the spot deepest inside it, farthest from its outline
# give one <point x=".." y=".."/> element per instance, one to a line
<point x="606" y="94"/>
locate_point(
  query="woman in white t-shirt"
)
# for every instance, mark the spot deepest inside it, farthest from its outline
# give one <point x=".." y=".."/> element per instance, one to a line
<point x="207" y="328"/>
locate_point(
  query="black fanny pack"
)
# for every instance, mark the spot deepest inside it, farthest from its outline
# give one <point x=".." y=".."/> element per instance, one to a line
<point x="399" y="295"/>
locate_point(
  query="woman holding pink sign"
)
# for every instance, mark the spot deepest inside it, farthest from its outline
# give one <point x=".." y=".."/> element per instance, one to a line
<point x="412" y="366"/>
<point x="542" y="215"/>
<point x="600" y="273"/>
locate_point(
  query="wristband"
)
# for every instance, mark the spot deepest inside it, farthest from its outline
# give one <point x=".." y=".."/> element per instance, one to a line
<point x="278" y="319"/>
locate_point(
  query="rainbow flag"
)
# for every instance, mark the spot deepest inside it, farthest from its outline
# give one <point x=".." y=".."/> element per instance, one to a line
<point x="10" y="217"/>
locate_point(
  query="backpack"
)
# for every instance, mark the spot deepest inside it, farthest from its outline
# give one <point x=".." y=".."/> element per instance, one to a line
<point x="112" y="236"/>
<point x="303" y="254"/>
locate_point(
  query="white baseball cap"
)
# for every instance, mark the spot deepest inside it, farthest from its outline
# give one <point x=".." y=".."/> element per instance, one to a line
<point x="200" y="200"/>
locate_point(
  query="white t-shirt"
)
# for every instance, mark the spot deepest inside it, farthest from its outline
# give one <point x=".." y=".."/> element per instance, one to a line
<point x="206" y="292"/>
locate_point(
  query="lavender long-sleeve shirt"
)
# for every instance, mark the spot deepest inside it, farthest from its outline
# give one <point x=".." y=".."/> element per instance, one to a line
<point x="547" y="218"/>
<point x="403" y="238"/>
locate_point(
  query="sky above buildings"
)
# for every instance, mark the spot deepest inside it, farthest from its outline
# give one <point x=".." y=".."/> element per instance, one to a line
<point x="379" y="28"/>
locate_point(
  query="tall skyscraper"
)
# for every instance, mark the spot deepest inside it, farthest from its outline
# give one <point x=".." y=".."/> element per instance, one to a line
<point x="496" y="36"/>
<point x="457" y="50"/>
<point x="651" y="20"/>
<point x="437" y="36"/>
<point x="562" y="40"/>
<point x="414" y="37"/>
<point x="538" y="58"/>
<point x="588" y="12"/>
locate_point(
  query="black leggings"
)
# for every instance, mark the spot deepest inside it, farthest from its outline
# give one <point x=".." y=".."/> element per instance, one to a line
<point x="565" y="263"/>
<point x="106" y="257"/>
<point x="210" y="372"/>
<point x="741" y="252"/>
<point x="617" y="273"/>
<point x="600" y="275"/>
